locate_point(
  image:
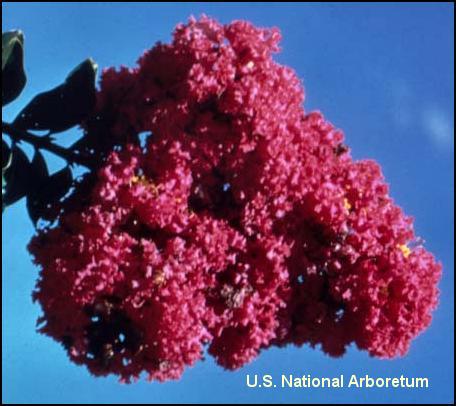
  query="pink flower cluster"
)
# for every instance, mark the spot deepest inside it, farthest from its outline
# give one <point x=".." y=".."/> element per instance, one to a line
<point x="241" y="224"/>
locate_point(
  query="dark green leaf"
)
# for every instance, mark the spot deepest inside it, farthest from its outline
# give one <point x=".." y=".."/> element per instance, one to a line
<point x="6" y="156"/>
<point x="39" y="168"/>
<point x="7" y="159"/>
<point x="64" y="106"/>
<point x="35" y="209"/>
<point x="3" y="192"/>
<point x="58" y="185"/>
<point x="43" y="199"/>
<point x="9" y="40"/>
<point x="13" y="75"/>
<point x="17" y="177"/>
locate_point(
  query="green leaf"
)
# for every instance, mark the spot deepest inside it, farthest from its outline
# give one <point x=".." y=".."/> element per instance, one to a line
<point x="13" y="75"/>
<point x="9" y="40"/>
<point x="7" y="159"/>
<point x="6" y="156"/>
<point x="42" y="200"/>
<point x="3" y="191"/>
<point x="58" y="185"/>
<point x="17" y="177"/>
<point x="39" y="168"/>
<point x="64" y="106"/>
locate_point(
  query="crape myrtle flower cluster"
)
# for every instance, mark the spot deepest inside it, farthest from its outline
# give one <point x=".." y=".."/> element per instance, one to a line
<point x="242" y="222"/>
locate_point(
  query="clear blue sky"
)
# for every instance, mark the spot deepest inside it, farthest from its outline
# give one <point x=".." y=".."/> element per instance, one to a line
<point x="384" y="73"/>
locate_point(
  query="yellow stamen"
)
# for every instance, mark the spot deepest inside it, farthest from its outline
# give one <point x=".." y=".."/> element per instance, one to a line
<point x="138" y="179"/>
<point x="406" y="251"/>
<point x="143" y="181"/>
<point x="159" y="277"/>
<point x="347" y="204"/>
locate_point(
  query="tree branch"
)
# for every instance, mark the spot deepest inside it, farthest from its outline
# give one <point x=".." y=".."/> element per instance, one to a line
<point x="44" y="143"/>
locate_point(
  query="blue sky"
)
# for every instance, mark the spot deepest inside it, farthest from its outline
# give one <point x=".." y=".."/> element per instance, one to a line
<point x="384" y="73"/>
